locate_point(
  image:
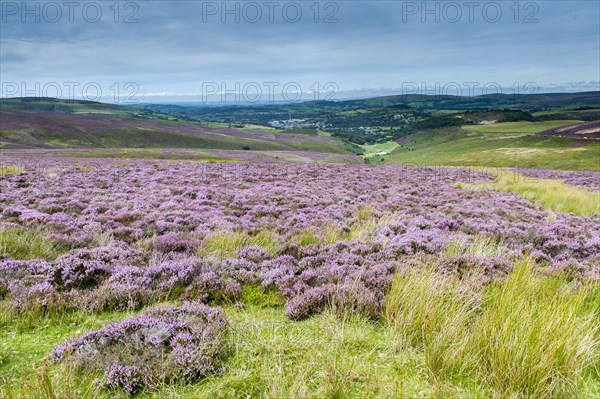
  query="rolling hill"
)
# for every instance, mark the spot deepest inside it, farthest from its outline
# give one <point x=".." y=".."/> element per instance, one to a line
<point x="84" y="128"/>
<point x="510" y="144"/>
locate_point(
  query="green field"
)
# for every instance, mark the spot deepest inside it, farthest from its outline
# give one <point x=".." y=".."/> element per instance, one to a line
<point x="374" y="149"/>
<point x="519" y="127"/>
<point x="502" y="145"/>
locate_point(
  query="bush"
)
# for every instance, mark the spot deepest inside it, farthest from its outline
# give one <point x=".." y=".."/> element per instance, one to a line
<point x="162" y="344"/>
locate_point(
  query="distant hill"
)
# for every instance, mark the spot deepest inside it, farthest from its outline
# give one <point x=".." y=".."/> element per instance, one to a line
<point x="378" y="119"/>
<point x="512" y="101"/>
<point x="589" y="130"/>
<point x="59" y="105"/>
<point x="69" y="126"/>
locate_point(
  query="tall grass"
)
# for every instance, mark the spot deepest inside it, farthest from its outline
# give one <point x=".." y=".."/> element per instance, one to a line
<point x="554" y="195"/>
<point x="534" y="336"/>
<point x="480" y="245"/>
<point x="226" y="244"/>
<point x="529" y="336"/>
<point x="43" y="384"/>
<point x="23" y="244"/>
<point x="431" y="313"/>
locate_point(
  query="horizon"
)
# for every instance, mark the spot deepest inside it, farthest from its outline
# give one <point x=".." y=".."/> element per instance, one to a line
<point x="216" y="103"/>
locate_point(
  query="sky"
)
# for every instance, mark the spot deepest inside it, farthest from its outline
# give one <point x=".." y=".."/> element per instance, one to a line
<point x="261" y="51"/>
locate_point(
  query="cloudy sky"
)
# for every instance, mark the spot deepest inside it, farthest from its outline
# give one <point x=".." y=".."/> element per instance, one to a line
<point x="175" y="51"/>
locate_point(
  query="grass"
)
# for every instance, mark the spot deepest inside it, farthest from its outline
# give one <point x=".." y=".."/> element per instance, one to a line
<point x="11" y="169"/>
<point x="305" y="238"/>
<point x="529" y="336"/>
<point x="519" y="127"/>
<point x="226" y="244"/>
<point x="23" y="352"/>
<point x="554" y="195"/>
<point x="456" y="147"/>
<point x="24" y="244"/>
<point x="534" y="336"/>
<point x="374" y="149"/>
<point x="271" y="357"/>
<point x="526" y="337"/>
<point x="430" y="313"/>
<point x="481" y="246"/>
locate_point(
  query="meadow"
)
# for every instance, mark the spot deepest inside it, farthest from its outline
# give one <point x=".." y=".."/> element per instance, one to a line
<point x="178" y="279"/>
<point x="507" y="144"/>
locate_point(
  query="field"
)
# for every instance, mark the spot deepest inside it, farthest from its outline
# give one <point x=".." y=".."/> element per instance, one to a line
<point x="519" y="127"/>
<point x="510" y="144"/>
<point x="185" y="279"/>
<point x="379" y="149"/>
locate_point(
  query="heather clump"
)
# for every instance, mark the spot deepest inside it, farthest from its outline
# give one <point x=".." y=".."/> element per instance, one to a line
<point x="163" y="343"/>
<point x="172" y="242"/>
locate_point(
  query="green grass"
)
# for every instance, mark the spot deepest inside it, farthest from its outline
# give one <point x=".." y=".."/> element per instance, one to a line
<point x="454" y="147"/>
<point x="23" y="244"/>
<point x="271" y="357"/>
<point x="431" y="313"/>
<point x="530" y="336"/>
<point x="373" y="149"/>
<point x="11" y="170"/>
<point x="554" y="195"/>
<point x="519" y="127"/>
<point x="306" y="238"/>
<point x="527" y="337"/>
<point x="534" y="336"/>
<point x="226" y="244"/>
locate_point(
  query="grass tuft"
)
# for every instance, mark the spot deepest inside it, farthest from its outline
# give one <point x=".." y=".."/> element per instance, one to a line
<point x="431" y="313"/>
<point x="11" y="170"/>
<point x="226" y="244"/>
<point x="554" y="195"/>
<point x="534" y="336"/>
<point x="24" y="244"/>
<point x="529" y="336"/>
<point x="480" y="245"/>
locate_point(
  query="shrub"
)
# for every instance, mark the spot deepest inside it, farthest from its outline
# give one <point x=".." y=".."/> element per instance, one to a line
<point x="172" y="242"/>
<point x="161" y="344"/>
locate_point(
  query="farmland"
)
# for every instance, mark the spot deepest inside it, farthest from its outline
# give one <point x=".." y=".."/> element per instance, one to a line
<point x="194" y="280"/>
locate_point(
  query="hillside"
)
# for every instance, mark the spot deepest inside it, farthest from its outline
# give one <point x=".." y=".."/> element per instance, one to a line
<point x="590" y="130"/>
<point x="46" y="129"/>
<point x="373" y="120"/>
<point x="510" y="144"/>
<point x="60" y="105"/>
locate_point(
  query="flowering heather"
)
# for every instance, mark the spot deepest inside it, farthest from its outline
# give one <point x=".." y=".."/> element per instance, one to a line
<point x="320" y="235"/>
<point x="163" y="343"/>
